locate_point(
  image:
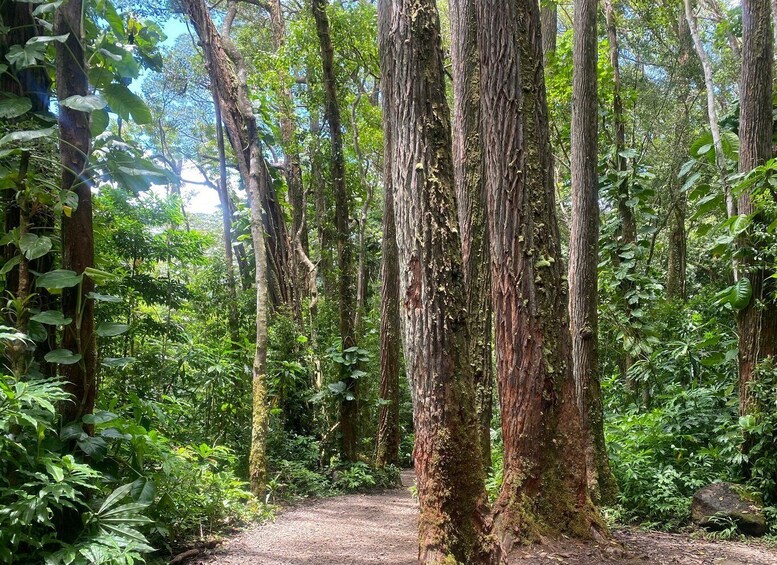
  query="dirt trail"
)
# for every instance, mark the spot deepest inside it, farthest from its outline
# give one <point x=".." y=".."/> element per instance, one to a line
<point x="380" y="528"/>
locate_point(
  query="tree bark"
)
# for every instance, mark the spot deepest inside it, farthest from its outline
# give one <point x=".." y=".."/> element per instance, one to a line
<point x="77" y="230"/>
<point x="757" y="323"/>
<point x="291" y="154"/>
<point x="448" y="465"/>
<point x="388" y="420"/>
<point x="226" y="221"/>
<point x="678" y="248"/>
<point x="627" y="233"/>
<point x="229" y="80"/>
<point x="584" y="250"/>
<point x="470" y="198"/>
<point x="549" y="25"/>
<point x="544" y="489"/>
<point x="712" y="113"/>
<point x="348" y="408"/>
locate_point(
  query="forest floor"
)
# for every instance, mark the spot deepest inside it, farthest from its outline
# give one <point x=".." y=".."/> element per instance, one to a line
<point x="380" y="528"/>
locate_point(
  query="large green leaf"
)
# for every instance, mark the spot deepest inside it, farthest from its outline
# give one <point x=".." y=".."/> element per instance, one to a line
<point x="111" y="329"/>
<point x="14" y="106"/>
<point x="58" y="279"/>
<point x="742" y="293"/>
<point x="88" y="103"/>
<point x="126" y="103"/>
<point x="34" y="246"/>
<point x="51" y="318"/>
<point x="62" y="356"/>
<point x="99" y="123"/>
<point x="27" y="135"/>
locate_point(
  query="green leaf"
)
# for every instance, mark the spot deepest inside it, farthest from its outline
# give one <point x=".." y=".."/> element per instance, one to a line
<point x="27" y="135"/>
<point x="10" y="264"/>
<point x="62" y="356"/>
<point x="14" y="106"/>
<point x="55" y="471"/>
<point x="99" y="417"/>
<point x="144" y="490"/>
<point x="99" y="276"/>
<point x="338" y="387"/>
<point x="126" y="103"/>
<point x="51" y="318"/>
<point x="117" y="361"/>
<point x="740" y="224"/>
<point x="88" y="103"/>
<point x="25" y="56"/>
<point x="743" y="292"/>
<point x="48" y="39"/>
<point x="33" y="246"/>
<point x="58" y="279"/>
<point x="99" y="123"/>
<point x="628" y="153"/>
<point x="104" y="297"/>
<point x="111" y="329"/>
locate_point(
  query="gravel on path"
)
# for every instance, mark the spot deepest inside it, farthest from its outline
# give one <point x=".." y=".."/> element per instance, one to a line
<point x="381" y="528"/>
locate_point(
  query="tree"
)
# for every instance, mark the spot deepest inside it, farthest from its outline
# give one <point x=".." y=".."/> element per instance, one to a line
<point x="678" y="202"/>
<point x="349" y="404"/>
<point x="388" y="419"/>
<point x="706" y="65"/>
<point x="240" y="122"/>
<point x="470" y="199"/>
<point x="584" y="249"/>
<point x="757" y="322"/>
<point x="77" y="230"/>
<point x="544" y="486"/>
<point x="549" y="23"/>
<point x="447" y="460"/>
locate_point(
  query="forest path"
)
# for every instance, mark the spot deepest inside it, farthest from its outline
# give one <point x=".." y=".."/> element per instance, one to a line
<point x="380" y="528"/>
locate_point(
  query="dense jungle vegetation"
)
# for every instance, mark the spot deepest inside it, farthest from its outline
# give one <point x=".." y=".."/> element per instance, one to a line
<point x="257" y="250"/>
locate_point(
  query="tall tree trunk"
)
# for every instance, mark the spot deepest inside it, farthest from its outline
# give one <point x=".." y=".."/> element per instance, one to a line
<point x="757" y="323"/>
<point x="549" y="25"/>
<point x="584" y="250"/>
<point x="628" y="228"/>
<point x="712" y="113"/>
<point x="470" y="197"/>
<point x="229" y="80"/>
<point x="348" y="408"/>
<point x="77" y="231"/>
<point x="291" y="154"/>
<point x="388" y="419"/>
<point x="448" y="465"/>
<point x="678" y="248"/>
<point x="544" y="489"/>
<point x="226" y="221"/>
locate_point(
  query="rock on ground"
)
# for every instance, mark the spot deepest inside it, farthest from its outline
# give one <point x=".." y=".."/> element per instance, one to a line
<point x="724" y="501"/>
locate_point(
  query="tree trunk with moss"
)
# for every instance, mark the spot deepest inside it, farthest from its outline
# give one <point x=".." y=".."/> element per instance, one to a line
<point x="345" y="289"/>
<point x="544" y="492"/>
<point x="77" y="230"/>
<point x="448" y="464"/>
<point x="757" y="323"/>
<point x="584" y="250"/>
<point x="228" y="77"/>
<point x="470" y="198"/>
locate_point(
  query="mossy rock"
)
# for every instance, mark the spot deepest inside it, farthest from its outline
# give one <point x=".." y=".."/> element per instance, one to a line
<point x="720" y="503"/>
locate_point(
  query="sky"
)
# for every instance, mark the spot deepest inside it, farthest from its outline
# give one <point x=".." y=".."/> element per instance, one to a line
<point x="198" y="199"/>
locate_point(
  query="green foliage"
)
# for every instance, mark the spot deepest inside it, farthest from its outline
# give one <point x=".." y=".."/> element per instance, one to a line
<point x="661" y="457"/>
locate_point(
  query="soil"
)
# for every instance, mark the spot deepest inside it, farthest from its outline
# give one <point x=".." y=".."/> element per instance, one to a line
<point x="380" y="528"/>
